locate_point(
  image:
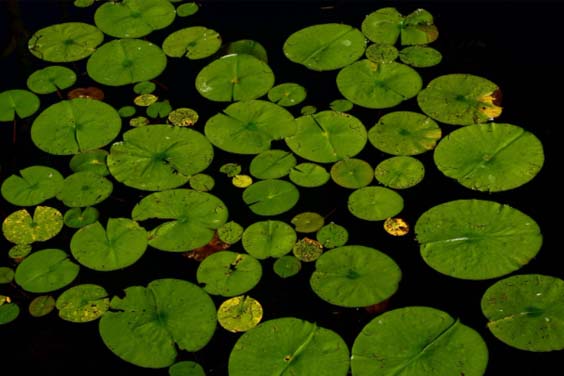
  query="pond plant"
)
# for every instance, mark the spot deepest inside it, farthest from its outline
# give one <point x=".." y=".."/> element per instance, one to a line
<point x="227" y="194"/>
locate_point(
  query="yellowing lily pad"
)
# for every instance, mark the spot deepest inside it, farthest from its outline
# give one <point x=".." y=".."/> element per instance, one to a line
<point x="20" y="228"/>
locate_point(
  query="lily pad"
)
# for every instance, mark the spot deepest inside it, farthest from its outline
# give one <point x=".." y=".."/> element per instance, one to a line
<point x="19" y="251"/>
<point x="148" y="325"/>
<point x="6" y="274"/>
<point x="325" y="47"/>
<point x="83" y="303"/>
<point x="378" y="85"/>
<point x="460" y="99"/>
<point x="187" y="9"/>
<point x="332" y="235"/>
<point x="355" y="276"/>
<point x="8" y="312"/>
<point x="387" y="25"/>
<point x="287" y="266"/>
<point x="309" y="175"/>
<point x="76" y="125"/>
<point x="144" y="87"/>
<point x="327" y="136"/>
<point x="400" y="172"/>
<point x="418" y="341"/>
<point x="84" y="188"/>
<point x="202" y="182"/>
<point x="229" y="273"/>
<point x="374" y="203"/>
<point x="51" y="79"/>
<point x="18" y="102"/>
<point x="118" y="246"/>
<point x="342" y="105"/>
<point x="35" y="185"/>
<point x="249" y="127"/>
<point x="134" y="18"/>
<point x="41" y="305"/>
<point x="272" y="164"/>
<point x="20" y="228"/>
<point x="404" y="133"/>
<point x="91" y="160"/>
<point x="77" y="217"/>
<point x="242" y="181"/>
<point x="159" y="109"/>
<point x="193" y="218"/>
<point x="477" y="239"/>
<point x="289" y="346"/>
<point x="159" y="157"/>
<point x="183" y="117"/>
<point x="249" y="47"/>
<point x="186" y="367"/>
<point x="420" y="56"/>
<point x="45" y="271"/>
<point x="126" y="61"/>
<point x="235" y="77"/>
<point x="269" y="238"/>
<point x="65" y="42"/>
<point x="287" y="94"/>
<point x="381" y="53"/>
<point x="271" y="196"/>
<point x="307" y="222"/>
<point x="490" y="157"/>
<point x="307" y="250"/>
<point x="352" y="173"/>
<point x="230" y="232"/>
<point x="525" y="312"/>
<point x="195" y="42"/>
<point x="239" y="313"/>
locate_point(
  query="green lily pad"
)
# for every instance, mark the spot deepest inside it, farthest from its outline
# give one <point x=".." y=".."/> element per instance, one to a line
<point x="476" y="239"/>
<point x="249" y="127"/>
<point x="77" y="217"/>
<point x="159" y="157"/>
<point x="230" y="232"/>
<point x="525" y="312"/>
<point x="289" y="346"/>
<point x="272" y="164"/>
<point x="18" y="102"/>
<point x="287" y="94"/>
<point x="127" y="111"/>
<point x="134" y="18"/>
<point x="187" y="9"/>
<point x="235" y="77"/>
<point x="271" y="196"/>
<point x="65" y="42"/>
<point x="404" y="133"/>
<point x="387" y="25"/>
<point x="144" y="87"/>
<point x="83" y="303"/>
<point x="159" y="109"/>
<point x="374" y="203"/>
<point x="91" y="160"/>
<point x="76" y="125"/>
<point x="20" y="228"/>
<point x="8" y="312"/>
<point x="19" y="251"/>
<point x="269" y="238"/>
<point x="193" y="218"/>
<point x="186" y="367"/>
<point x="352" y="173"/>
<point x="183" y="117"/>
<point x="332" y="235"/>
<point x="201" y="182"/>
<point x="147" y="326"/>
<point x="381" y="53"/>
<point x="195" y="42"/>
<point x="41" y="305"/>
<point x="229" y="273"/>
<point x="307" y="222"/>
<point x="327" y="136"/>
<point x="342" y="105"/>
<point x="45" y="271"/>
<point x="418" y="341"/>
<point x="118" y="246"/>
<point x="308" y="110"/>
<point x="287" y="266"/>
<point x="239" y="314"/>
<point x="6" y="274"/>
<point x="355" y="276"/>
<point x="35" y="185"/>
<point x="400" y="172"/>
<point x="84" y="188"/>
<point x="51" y="79"/>
<point x="460" y="99"/>
<point x="309" y="175"/>
<point x="420" y="56"/>
<point x="378" y="85"/>
<point x="126" y="61"/>
<point x="490" y="157"/>
<point x="249" y="47"/>
<point x="325" y="47"/>
<point x="307" y="250"/>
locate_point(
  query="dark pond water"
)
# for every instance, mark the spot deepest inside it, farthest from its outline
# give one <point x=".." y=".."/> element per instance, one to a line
<point x="514" y="44"/>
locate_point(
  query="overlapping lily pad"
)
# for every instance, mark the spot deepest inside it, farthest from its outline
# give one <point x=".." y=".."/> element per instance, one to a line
<point x="45" y="271"/>
<point x="420" y="56"/>
<point x="272" y="164"/>
<point x="309" y="175"/>
<point x="35" y="185"/>
<point x="17" y="103"/>
<point x="271" y="196"/>
<point x="269" y="238"/>
<point x="249" y="47"/>
<point x="195" y="42"/>
<point x="84" y="188"/>
<point x="90" y="160"/>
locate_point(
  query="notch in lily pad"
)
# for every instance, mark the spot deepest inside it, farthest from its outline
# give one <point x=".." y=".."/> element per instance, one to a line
<point x="21" y="228"/>
<point x="270" y="238"/>
<point x="33" y="186"/>
<point x="51" y="79"/>
<point x="239" y="314"/>
<point x="195" y="42"/>
<point x="83" y="303"/>
<point x="46" y="270"/>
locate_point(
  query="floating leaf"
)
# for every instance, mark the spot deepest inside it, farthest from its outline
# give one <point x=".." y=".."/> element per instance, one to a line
<point x="239" y="313"/>
<point x="195" y="42"/>
<point x="386" y="25"/>
<point x="51" y="79"/>
<point x="355" y="276"/>
<point x="8" y="311"/>
<point x="249" y="47"/>
<point x="194" y="217"/>
<point x="308" y="110"/>
<point x="342" y="105"/>
<point x="242" y="181"/>
<point x="378" y="85"/>
<point x="83" y="303"/>
<point x="525" y="312"/>
<point x="45" y="271"/>
<point x="41" y="305"/>
<point x="400" y="172"/>
<point x="287" y="266"/>
<point x="77" y="217"/>
<point x="374" y="203"/>
<point x="186" y="367"/>
<point x="36" y="185"/>
<point x="6" y="274"/>
<point x="18" y="102"/>
<point x="476" y="239"/>
<point x="352" y="173"/>
<point x="420" y="56"/>
<point x="271" y="196"/>
<point x="308" y="222"/>
<point x="201" y="182"/>
<point x="19" y="251"/>
<point x="145" y="99"/>
<point x="20" y="228"/>
<point x="139" y="121"/>
<point x="159" y="109"/>
<point x="272" y="164"/>
<point x="287" y="94"/>
<point x="381" y="53"/>
<point x="269" y="239"/>
<point x="84" y="188"/>
<point x="229" y="273"/>
<point x="325" y="47"/>
<point x="230" y="232"/>
<point x="418" y="341"/>
<point x="144" y="87"/>
<point x="91" y="160"/>
<point x="307" y="250"/>
<point x="490" y="157"/>
<point x="396" y="226"/>
<point x="160" y="311"/>
<point x="183" y="117"/>
<point x="309" y="175"/>
<point x="230" y="169"/>
<point x="332" y="235"/>
<point x="187" y="9"/>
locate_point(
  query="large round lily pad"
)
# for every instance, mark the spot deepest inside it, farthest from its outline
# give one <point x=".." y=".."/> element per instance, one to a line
<point x="235" y="77"/>
<point x="126" y="61"/>
<point x="35" y="185"/>
<point x="490" y="157"/>
<point x="374" y="203"/>
<point x="148" y="325"/>
<point x="269" y="239"/>
<point x="477" y="239"/>
<point x="84" y="188"/>
<point x="249" y="127"/>
<point x="460" y="99"/>
<point x="326" y="46"/>
<point x="159" y="157"/>
<point x="21" y="228"/>
<point x="355" y="276"/>
<point x="271" y="196"/>
<point x="193" y="218"/>
<point x="71" y="126"/>
<point x="289" y="346"/>
<point x="418" y="341"/>
<point x="195" y="42"/>
<point x="527" y="312"/>
<point x="22" y="103"/>
<point x="65" y="42"/>
<point x="45" y="271"/>
<point x="374" y="85"/>
<point x="328" y="136"/>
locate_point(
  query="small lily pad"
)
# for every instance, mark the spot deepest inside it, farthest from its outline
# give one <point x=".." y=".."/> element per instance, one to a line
<point x="19" y="251"/>
<point x="242" y="181"/>
<point x="183" y="117"/>
<point x="41" y="305"/>
<point x="230" y="169"/>
<point x="230" y="232"/>
<point x="201" y="182"/>
<point x="145" y="99"/>
<point x="144" y="87"/>
<point x="20" y="228"/>
<point x="18" y="102"/>
<point x="91" y="160"/>
<point x="8" y="311"/>
<point x="51" y="79"/>
<point x="83" y="303"/>
<point x="308" y="110"/>
<point x="195" y="42"/>
<point x="269" y="238"/>
<point x="35" y="185"/>
<point x="420" y="56"/>
<point x="374" y="203"/>
<point x="271" y="196"/>
<point x="352" y="173"/>
<point x="186" y="367"/>
<point x="400" y="172"/>
<point x="307" y="222"/>
<point x="45" y="271"/>
<point x="287" y="94"/>
<point x="78" y="217"/>
<point x="342" y="105"/>
<point x="84" y="188"/>
<point x="287" y="266"/>
<point x="332" y="235"/>
<point x="307" y="250"/>
<point x="396" y="226"/>
<point x="381" y="53"/>
<point x="159" y="109"/>
<point x="272" y="164"/>
<point x="6" y="274"/>
<point x="187" y="9"/>
<point x="249" y="47"/>
<point x="239" y="313"/>
<point x="309" y="175"/>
